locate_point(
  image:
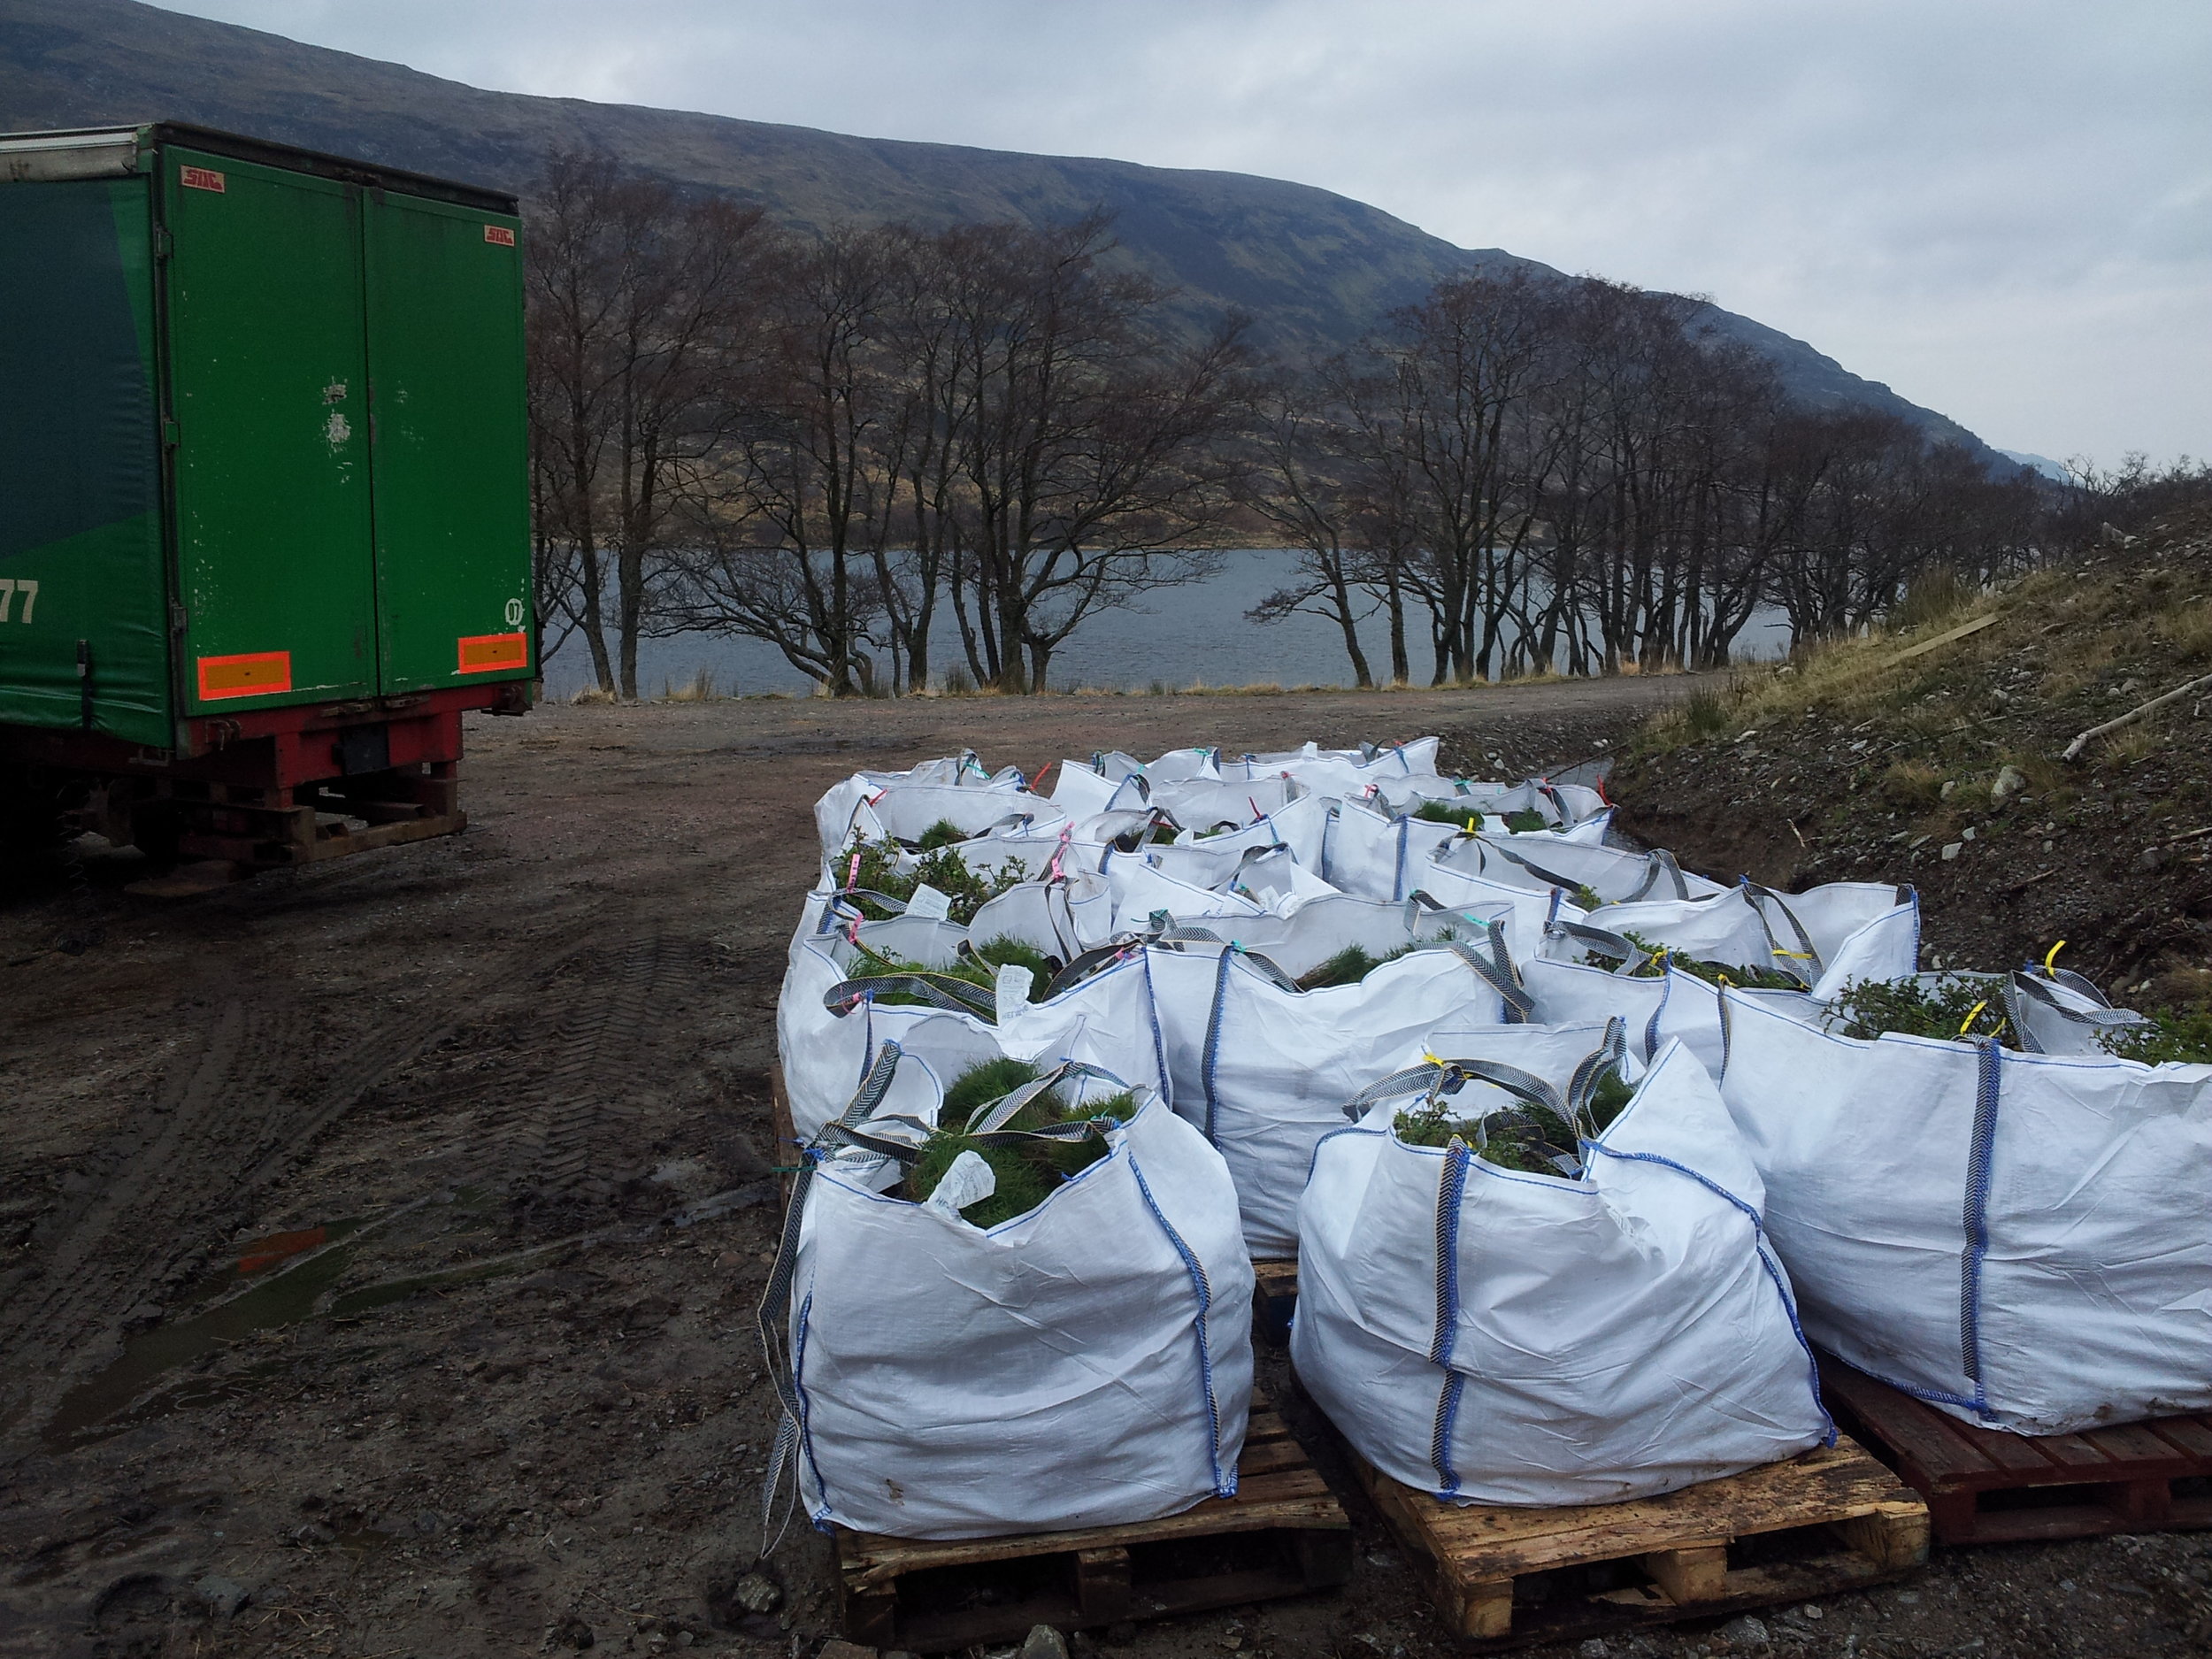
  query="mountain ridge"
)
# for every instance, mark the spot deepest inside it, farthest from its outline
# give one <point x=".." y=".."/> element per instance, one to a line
<point x="1313" y="267"/>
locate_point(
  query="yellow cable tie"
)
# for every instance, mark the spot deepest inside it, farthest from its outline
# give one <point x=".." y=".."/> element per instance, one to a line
<point x="1802" y="955"/>
<point x="2050" y="972"/>
<point x="1972" y="1014"/>
<point x="1436" y="1060"/>
<point x="1471" y="826"/>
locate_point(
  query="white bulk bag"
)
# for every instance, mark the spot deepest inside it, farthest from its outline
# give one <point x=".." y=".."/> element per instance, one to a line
<point x="1195" y="880"/>
<point x="832" y="813"/>
<point x="2061" y="1012"/>
<point x="2021" y="1240"/>
<point x="1180" y="765"/>
<point x="1313" y="765"/>
<point x="1105" y="1020"/>
<point x="1063" y="917"/>
<point x="1852" y="930"/>
<point x="1495" y="1337"/>
<point x="1200" y="803"/>
<point x="1565" y="984"/>
<point x="1370" y="854"/>
<point x="1264" y="1068"/>
<point x="1083" y="791"/>
<point x="1614" y="873"/>
<point x="906" y="812"/>
<point x="1299" y="826"/>
<point x="1088" y="1363"/>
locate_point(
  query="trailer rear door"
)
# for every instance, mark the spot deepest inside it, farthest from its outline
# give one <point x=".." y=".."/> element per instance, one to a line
<point x="269" y="393"/>
<point x="452" y="479"/>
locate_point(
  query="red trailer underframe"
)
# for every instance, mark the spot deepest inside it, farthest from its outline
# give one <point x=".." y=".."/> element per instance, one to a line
<point x="263" y="786"/>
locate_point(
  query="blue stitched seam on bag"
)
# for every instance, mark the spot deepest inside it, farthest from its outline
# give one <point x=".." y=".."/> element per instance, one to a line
<point x="1447" y="1195"/>
<point x="1759" y="1240"/>
<point x="1159" y="1041"/>
<point x="819" y="1520"/>
<point x="1223" y="1487"/>
<point x="1212" y="1052"/>
<point x="1987" y="1083"/>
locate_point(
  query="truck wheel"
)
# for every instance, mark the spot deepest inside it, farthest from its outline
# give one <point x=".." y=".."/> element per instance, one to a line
<point x="31" y="808"/>
<point x="157" y="831"/>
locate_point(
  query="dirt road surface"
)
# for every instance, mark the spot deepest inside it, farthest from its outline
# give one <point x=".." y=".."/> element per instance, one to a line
<point x="378" y="1243"/>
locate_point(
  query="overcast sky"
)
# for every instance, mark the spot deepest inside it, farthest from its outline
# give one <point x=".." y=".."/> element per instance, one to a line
<point x="2003" y="208"/>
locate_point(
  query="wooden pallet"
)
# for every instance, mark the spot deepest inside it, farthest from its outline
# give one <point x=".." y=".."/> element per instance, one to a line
<point x="1274" y="1299"/>
<point x="1282" y="1534"/>
<point x="1988" y="1486"/>
<point x="785" y="1153"/>
<point x="1832" y="1519"/>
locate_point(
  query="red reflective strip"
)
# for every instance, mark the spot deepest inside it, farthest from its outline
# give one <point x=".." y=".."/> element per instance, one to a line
<point x="255" y="674"/>
<point x="200" y="179"/>
<point x="483" y="652"/>
<point x="499" y="236"/>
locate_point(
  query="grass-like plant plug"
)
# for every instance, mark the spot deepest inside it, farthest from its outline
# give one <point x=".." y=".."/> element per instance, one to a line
<point x="1027" y="1172"/>
<point x="2182" y="1036"/>
<point x="1958" y="1007"/>
<point x="1348" y="966"/>
<point x="979" y="965"/>
<point x="1525" y="1136"/>
<point x="943" y="832"/>
<point x="1526" y="821"/>
<point x="943" y="869"/>
<point x="1444" y="812"/>
<point x="1659" y="958"/>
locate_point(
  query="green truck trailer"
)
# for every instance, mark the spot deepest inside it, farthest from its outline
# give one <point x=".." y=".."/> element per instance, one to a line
<point x="263" y="492"/>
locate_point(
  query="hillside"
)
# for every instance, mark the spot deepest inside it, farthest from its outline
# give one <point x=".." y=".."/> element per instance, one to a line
<point x="1313" y="267"/>
<point x="1943" y="769"/>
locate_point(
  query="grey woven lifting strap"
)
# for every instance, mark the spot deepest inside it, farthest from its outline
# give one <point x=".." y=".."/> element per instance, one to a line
<point x="2025" y="984"/>
<point x="940" y="990"/>
<point x="1761" y="897"/>
<point x="772" y="1319"/>
<point x="1497" y="971"/>
<point x="1436" y="1077"/>
<point x="1660" y="861"/>
<point x="1604" y="943"/>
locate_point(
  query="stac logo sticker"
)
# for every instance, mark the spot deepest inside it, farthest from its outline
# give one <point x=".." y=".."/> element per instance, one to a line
<point x="201" y="179"/>
<point x="500" y="235"/>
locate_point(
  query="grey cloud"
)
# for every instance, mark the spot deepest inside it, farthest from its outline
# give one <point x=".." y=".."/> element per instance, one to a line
<point x="2002" y="207"/>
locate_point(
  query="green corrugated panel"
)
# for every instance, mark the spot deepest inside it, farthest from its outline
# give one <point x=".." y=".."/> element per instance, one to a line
<point x="269" y="386"/>
<point x="452" y="482"/>
<point x="80" y="555"/>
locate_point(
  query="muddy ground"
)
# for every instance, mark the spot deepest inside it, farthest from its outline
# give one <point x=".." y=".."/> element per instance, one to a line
<point x="479" y="1130"/>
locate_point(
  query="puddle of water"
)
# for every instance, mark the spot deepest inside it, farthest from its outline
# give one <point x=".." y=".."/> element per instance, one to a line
<point x="88" y="1411"/>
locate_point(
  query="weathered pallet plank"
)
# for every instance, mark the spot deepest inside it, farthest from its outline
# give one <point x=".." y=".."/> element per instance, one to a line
<point x="1986" y="1486"/>
<point x="1283" y="1534"/>
<point x="1503" y="1577"/>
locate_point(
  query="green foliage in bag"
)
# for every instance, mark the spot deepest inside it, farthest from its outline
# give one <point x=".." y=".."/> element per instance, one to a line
<point x="1027" y="1172"/>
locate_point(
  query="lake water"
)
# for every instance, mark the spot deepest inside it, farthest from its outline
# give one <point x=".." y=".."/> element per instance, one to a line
<point x="1179" y="636"/>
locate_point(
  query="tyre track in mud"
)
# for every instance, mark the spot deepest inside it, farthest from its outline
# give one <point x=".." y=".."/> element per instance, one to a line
<point x="233" y="1121"/>
<point x="567" y="1098"/>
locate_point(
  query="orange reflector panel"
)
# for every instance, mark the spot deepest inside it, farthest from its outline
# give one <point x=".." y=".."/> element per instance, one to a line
<point x="254" y="675"/>
<point x="483" y="652"/>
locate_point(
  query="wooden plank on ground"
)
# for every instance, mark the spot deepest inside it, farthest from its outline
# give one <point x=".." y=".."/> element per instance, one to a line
<point x="1959" y="632"/>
